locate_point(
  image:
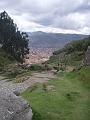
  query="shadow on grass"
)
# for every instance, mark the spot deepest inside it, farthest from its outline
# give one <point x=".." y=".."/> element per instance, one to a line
<point x="72" y="96"/>
<point x="36" y="115"/>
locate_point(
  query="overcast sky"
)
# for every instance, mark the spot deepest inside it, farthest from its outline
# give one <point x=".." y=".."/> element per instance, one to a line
<point x="67" y="16"/>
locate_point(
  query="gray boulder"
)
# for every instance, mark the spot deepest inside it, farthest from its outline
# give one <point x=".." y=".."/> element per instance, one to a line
<point x="87" y="57"/>
<point x="13" y="107"/>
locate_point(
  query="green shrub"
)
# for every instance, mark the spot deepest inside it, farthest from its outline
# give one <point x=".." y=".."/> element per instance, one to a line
<point x="48" y="67"/>
<point x="45" y="87"/>
<point x="36" y="67"/>
<point x="32" y="88"/>
<point x="13" y="73"/>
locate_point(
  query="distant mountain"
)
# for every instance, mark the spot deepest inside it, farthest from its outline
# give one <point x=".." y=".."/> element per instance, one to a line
<point x="53" y="40"/>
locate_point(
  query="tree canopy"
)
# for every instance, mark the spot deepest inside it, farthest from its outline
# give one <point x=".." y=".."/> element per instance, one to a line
<point x="12" y="40"/>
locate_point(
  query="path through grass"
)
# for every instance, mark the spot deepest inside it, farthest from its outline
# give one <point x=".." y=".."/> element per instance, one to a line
<point x="68" y="100"/>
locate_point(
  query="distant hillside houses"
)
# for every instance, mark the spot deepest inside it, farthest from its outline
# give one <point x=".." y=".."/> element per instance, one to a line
<point x="87" y="57"/>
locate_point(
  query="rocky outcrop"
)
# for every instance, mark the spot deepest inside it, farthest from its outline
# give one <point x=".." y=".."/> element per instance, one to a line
<point x="87" y="57"/>
<point x="13" y="107"/>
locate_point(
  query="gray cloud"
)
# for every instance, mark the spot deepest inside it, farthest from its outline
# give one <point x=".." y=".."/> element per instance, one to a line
<point x="62" y="15"/>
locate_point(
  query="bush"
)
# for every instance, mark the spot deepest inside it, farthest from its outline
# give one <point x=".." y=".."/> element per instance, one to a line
<point x="45" y="87"/>
<point x="36" y="67"/>
<point x="13" y="73"/>
<point x="82" y="76"/>
<point x="48" y="67"/>
<point x="32" y="88"/>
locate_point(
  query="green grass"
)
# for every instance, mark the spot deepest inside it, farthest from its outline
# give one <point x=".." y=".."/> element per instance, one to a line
<point x="70" y="99"/>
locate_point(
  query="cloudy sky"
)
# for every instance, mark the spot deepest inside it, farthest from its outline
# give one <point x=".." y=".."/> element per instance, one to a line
<point x="67" y="16"/>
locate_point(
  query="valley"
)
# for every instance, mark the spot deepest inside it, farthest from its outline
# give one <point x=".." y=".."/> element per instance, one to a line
<point x="42" y="45"/>
<point x="44" y="59"/>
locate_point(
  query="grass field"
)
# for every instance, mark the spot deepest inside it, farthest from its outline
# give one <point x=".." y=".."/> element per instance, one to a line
<point x="68" y="98"/>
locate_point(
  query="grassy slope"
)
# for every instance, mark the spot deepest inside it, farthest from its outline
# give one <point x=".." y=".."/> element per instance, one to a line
<point x="69" y="101"/>
<point x="9" y="68"/>
<point x="4" y="58"/>
<point x="73" y="52"/>
<point x="73" y="59"/>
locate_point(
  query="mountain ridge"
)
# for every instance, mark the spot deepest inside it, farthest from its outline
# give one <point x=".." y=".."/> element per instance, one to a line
<point x="52" y="40"/>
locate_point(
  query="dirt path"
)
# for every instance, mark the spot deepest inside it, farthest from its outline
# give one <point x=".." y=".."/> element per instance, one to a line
<point x="20" y="87"/>
<point x="14" y="107"/>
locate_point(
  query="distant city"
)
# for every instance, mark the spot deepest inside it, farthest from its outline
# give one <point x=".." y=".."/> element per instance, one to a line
<point x="39" y="55"/>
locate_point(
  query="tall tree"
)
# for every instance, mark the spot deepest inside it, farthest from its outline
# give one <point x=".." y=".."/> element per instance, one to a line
<point x="13" y="41"/>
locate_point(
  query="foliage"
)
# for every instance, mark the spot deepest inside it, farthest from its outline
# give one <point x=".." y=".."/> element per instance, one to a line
<point x="71" y="55"/>
<point x="37" y="67"/>
<point x="12" y="40"/>
<point x="45" y="87"/>
<point x="80" y="45"/>
<point x="18" y="75"/>
<point x="33" y="87"/>
<point x="5" y="59"/>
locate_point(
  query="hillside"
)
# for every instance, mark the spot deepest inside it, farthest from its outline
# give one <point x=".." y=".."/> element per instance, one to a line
<point x="72" y="54"/>
<point x="52" y="40"/>
<point x="65" y="97"/>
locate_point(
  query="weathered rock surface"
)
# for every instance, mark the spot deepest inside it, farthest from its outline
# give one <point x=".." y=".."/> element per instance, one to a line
<point x="87" y="57"/>
<point x="13" y="107"/>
